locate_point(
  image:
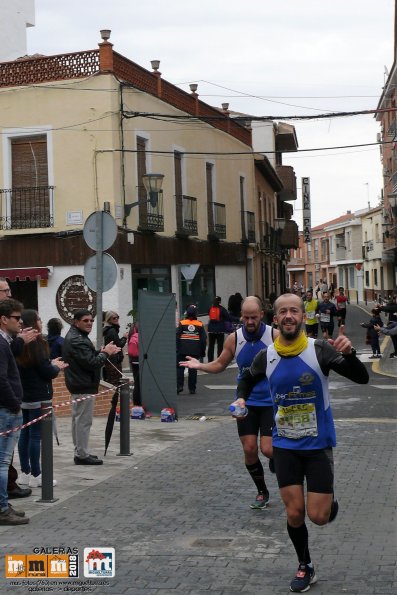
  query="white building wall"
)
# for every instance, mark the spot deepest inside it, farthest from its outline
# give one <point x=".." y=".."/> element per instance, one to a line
<point x="229" y="280"/>
<point x="263" y="139"/>
<point x="15" y="17"/>
<point x="118" y="298"/>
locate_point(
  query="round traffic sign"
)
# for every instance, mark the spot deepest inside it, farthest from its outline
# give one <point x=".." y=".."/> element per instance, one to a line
<point x="109" y="272"/>
<point x="109" y="230"/>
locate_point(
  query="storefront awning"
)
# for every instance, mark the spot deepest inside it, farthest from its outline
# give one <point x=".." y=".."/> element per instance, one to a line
<point x="31" y="273"/>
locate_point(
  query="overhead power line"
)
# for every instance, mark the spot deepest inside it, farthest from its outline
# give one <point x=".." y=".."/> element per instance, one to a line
<point x="248" y="117"/>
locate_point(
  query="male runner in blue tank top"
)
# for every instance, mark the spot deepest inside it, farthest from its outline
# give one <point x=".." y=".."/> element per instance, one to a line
<point x="297" y="368"/>
<point x="243" y="345"/>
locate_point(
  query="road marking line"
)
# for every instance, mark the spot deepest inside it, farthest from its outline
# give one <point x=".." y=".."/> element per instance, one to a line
<point x="385" y="386"/>
<point x="221" y="386"/>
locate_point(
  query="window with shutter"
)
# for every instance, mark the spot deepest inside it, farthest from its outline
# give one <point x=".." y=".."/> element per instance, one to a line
<point x="30" y="196"/>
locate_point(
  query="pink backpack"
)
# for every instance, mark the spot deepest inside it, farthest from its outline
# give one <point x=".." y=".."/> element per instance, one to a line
<point x="133" y="350"/>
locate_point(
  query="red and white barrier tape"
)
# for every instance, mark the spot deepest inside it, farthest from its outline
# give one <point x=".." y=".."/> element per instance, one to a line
<point x="51" y="407"/>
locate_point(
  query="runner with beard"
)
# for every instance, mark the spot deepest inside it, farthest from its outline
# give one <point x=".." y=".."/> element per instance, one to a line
<point x="243" y="345"/>
<point x="297" y="368"/>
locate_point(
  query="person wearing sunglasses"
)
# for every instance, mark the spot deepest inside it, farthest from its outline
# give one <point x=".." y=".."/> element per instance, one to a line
<point x="11" y="394"/>
<point x="19" y="339"/>
<point x="82" y="379"/>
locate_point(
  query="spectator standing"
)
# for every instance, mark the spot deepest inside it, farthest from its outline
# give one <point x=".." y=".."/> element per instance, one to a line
<point x="82" y="380"/>
<point x="326" y="311"/>
<point x="54" y="338"/>
<point x="11" y="394"/>
<point x="372" y="326"/>
<point x="18" y="341"/>
<point x="37" y="372"/>
<point x="390" y="308"/>
<point x="234" y="306"/>
<point x="218" y="316"/>
<point x="391" y="331"/>
<point x="133" y="356"/>
<point x="113" y="369"/>
<point x="341" y="304"/>
<point x="190" y="341"/>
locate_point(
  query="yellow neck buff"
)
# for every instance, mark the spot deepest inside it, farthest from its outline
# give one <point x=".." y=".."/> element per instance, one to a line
<point x="295" y="348"/>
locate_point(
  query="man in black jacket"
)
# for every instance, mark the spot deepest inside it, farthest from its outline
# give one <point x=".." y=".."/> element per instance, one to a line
<point x="82" y="380"/>
<point x="10" y="405"/>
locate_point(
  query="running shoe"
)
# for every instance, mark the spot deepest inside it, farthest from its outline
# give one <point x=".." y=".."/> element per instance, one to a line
<point x="261" y="500"/>
<point x="305" y="577"/>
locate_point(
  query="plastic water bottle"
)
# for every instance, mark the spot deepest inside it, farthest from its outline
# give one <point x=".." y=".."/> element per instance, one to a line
<point x="167" y="415"/>
<point x="238" y="411"/>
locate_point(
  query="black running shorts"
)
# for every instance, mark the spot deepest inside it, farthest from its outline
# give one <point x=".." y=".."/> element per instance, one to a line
<point x="259" y="419"/>
<point x="317" y="466"/>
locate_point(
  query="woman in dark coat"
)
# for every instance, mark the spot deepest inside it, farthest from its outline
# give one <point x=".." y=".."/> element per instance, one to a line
<point x="113" y="367"/>
<point x="37" y="371"/>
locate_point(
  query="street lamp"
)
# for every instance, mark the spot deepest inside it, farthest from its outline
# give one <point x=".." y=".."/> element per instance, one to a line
<point x="152" y="183"/>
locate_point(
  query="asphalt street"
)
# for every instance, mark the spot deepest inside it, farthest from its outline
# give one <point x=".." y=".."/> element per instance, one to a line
<point x="177" y="510"/>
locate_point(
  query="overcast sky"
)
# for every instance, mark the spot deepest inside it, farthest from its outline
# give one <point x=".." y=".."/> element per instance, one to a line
<point x="268" y="57"/>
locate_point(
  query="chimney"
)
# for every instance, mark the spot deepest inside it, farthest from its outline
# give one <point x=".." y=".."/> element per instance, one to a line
<point x="156" y="65"/>
<point x="105" y="52"/>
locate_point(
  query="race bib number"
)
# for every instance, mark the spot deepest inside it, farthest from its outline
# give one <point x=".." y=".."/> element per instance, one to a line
<point x="325" y="317"/>
<point x="310" y="315"/>
<point x="296" y="421"/>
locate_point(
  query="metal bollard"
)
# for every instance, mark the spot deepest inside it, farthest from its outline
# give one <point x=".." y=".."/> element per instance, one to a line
<point x="47" y="466"/>
<point x="124" y="421"/>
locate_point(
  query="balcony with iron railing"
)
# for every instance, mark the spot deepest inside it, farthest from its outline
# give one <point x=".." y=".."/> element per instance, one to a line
<point x="151" y="218"/>
<point x="217" y="227"/>
<point x="27" y="208"/>
<point x="296" y="262"/>
<point x="248" y="235"/>
<point x="394" y="182"/>
<point x="290" y="235"/>
<point x="186" y="215"/>
<point x="270" y="243"/>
